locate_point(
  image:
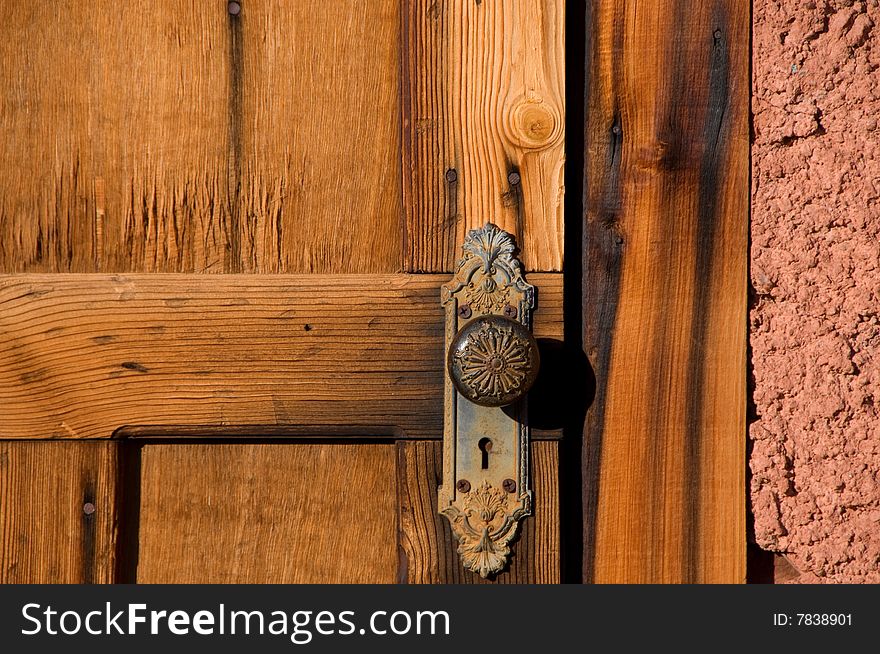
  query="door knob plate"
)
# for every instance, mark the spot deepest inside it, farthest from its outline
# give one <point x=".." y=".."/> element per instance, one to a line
<point x="492" y="360"/>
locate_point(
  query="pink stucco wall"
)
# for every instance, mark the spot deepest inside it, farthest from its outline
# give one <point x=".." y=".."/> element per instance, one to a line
<point x="815" y="268"/>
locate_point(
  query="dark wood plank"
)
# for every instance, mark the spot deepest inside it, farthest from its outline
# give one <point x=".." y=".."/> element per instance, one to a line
<point x="84" y="355"/>
<point x="429" y="550"/>
<point x="58" y="512"/>
<point x="664" y="289"/>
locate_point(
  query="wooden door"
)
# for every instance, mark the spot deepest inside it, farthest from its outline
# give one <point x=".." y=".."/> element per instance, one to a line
<point x="223" y="231"/>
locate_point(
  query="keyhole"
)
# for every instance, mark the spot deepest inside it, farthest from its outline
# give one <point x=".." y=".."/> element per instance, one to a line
<point x="485" y="446"/>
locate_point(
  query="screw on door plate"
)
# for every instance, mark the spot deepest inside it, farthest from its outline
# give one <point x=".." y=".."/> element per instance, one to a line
<point x="463" y="486"/>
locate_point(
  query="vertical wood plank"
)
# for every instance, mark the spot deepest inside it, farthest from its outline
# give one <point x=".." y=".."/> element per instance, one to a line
<point x="159" y="98"/>
<point x="320" y="136"/>
<point x="267" y="513"/>
<point x="429" y="550"/>
<point x="484" y="98"/>
<point x="115" y="122"/>
<point x="666" y="203"/>
<point x="48" y="533"/>
<point x="46" y="200"/>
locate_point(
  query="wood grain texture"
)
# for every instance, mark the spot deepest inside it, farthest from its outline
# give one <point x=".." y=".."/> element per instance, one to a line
<point x="166" y="136"/>
<point x="116" y="137"/>
<point x="258" y="513"/>
<point x="320" y="136"/>
<point x="45" y="535"/>
<point x="83" y="355"/>
<point x="666" y="203"/>
<point x="313" y="137"/>
<point x="429" y="548"/>
<point x="484" y="97"/>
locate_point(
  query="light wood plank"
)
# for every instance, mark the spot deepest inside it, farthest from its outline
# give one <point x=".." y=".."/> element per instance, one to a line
<point x="484" y="96"/>
<point x="48" y="531"/>
<point x="258" y="513"/>
<point x="429" y="548"/>
<point x="83" y="355"/>
<point x="667" y="166"/>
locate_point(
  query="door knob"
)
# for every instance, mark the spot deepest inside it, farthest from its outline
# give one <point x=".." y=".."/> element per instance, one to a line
<point x="493" y="361"/>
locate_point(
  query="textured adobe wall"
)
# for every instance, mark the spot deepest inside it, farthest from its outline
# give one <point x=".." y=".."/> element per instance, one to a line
<point x="815" y="333"/>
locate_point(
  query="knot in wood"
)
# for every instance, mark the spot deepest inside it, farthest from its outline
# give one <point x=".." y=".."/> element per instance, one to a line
<point x="535" y="124"/>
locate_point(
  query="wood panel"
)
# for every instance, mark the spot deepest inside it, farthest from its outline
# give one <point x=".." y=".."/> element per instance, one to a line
<point x="317" y="136"/>
<point x="665" y="289"/>
<point x="115" y="122"/>
<point x="166" y="136"/>
<point x="58" y="512"/>
<point x="311" y="137"/>
<point x="429" y="548"/>
<point x="483" y="127"/>
<point x="258" y="513"/>
<point x="83" y="355"/>
<point x="320" y="136"/>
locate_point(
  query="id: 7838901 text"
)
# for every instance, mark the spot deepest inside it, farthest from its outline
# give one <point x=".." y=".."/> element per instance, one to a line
<point x="812" y="619"/>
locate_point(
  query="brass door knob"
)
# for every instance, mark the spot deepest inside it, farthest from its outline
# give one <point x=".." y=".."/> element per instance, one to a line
<point x="493" y="361"/>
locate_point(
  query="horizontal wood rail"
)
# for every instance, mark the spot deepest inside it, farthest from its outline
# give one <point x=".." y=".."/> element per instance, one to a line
<point x="82" y="356"/>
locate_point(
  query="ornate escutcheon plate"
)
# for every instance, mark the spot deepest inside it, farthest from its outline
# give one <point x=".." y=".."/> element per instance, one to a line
<point x="492" y="361"/>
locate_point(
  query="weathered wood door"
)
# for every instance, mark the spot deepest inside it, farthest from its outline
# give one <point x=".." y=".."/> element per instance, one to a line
<point x="223" y="230"/>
